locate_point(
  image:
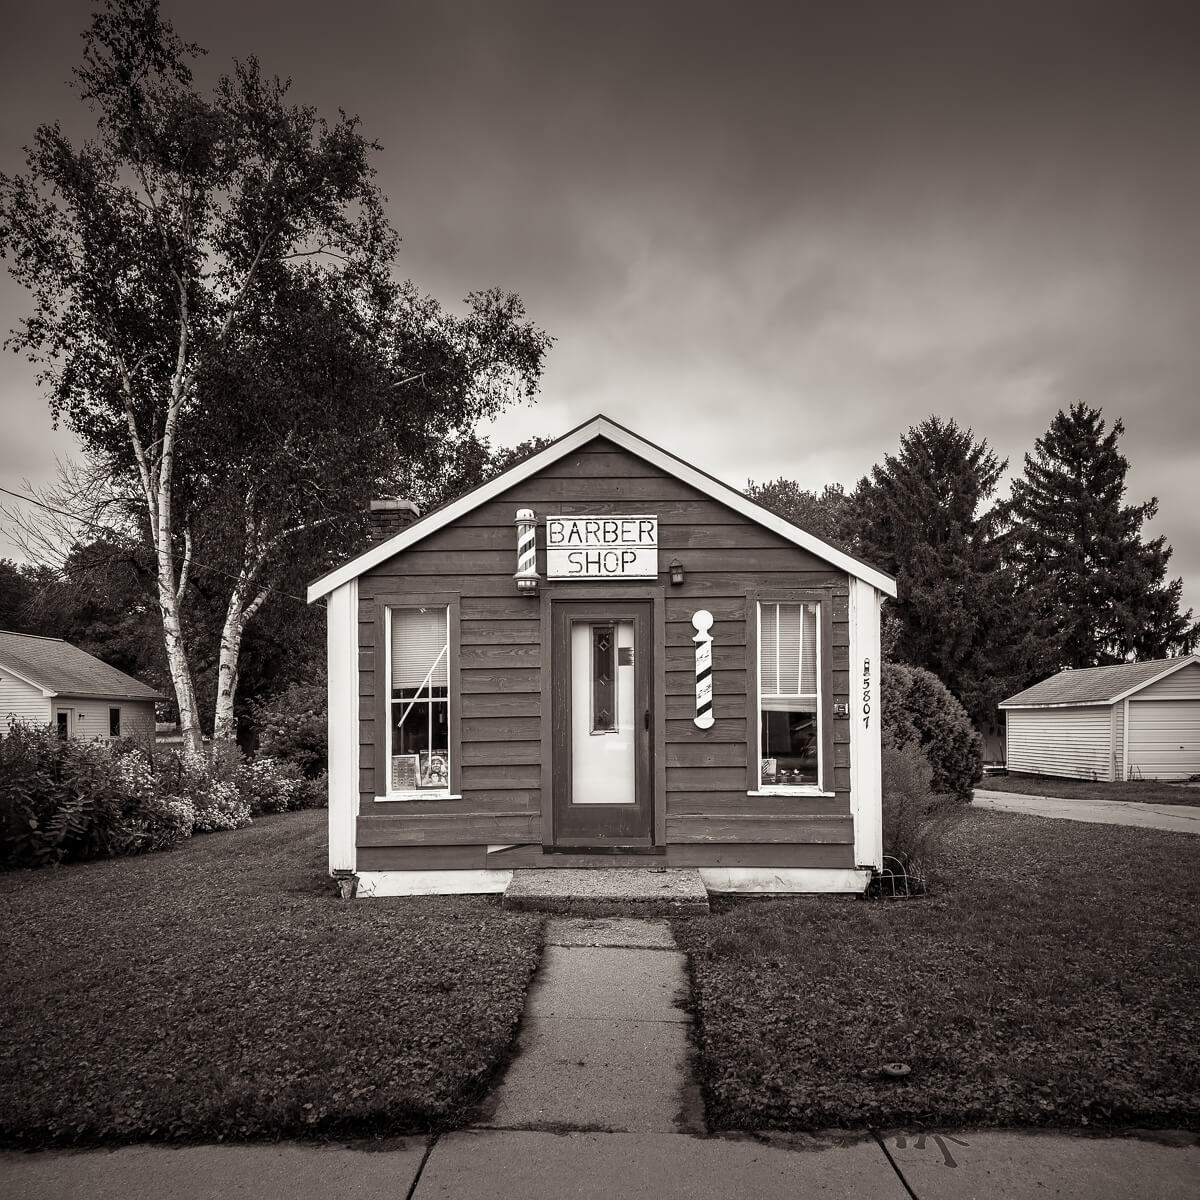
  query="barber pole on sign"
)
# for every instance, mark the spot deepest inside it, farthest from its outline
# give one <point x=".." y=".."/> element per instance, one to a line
<point x="702" y="621"/>
<point x="526" y="576"/>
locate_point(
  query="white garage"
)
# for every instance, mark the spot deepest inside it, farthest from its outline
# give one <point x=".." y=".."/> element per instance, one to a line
<point x="1129" y="721"/>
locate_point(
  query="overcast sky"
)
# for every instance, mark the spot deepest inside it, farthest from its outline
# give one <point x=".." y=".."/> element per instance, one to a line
<point x="768" y="237"/>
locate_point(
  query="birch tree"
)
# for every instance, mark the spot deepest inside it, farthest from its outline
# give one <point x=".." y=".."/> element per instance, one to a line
<point x="165" y="258"/>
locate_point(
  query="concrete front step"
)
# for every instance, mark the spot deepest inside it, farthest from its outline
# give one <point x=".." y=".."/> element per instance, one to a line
<point x="616" y="891"/>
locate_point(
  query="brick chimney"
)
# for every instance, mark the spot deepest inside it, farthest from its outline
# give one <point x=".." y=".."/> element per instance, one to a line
<point x="389" y="516"/>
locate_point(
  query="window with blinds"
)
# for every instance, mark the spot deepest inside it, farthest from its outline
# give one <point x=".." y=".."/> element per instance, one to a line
<point x="789" y="708"/>
<point x="419" y="752"/>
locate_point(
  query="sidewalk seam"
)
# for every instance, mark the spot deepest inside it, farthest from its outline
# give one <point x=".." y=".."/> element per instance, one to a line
<point x="895" y="1166"/>
<point x="433" y="1140"/>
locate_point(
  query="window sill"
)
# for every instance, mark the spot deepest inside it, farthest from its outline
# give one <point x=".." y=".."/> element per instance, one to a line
<point x="406" y="797"/>
<point x="791" y="791"/>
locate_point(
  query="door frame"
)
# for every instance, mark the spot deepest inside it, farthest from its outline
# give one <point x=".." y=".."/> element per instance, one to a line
<point x="595" y="595"/>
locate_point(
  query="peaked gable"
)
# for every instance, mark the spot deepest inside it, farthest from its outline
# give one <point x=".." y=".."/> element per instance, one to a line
<point x="600" y="427"/>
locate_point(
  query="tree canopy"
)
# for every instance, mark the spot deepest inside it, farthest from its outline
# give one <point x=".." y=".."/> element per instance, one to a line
<point x="215" y="316"/>
<point x="1095" y="584"/>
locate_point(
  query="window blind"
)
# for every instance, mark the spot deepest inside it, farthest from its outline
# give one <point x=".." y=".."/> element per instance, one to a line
<point x="787" y="649"/>
<point x="420" y="638"/>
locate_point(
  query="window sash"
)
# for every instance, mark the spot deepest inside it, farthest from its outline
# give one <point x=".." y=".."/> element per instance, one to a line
<point x="419" y="691"/>
<point x="789" y="674"/>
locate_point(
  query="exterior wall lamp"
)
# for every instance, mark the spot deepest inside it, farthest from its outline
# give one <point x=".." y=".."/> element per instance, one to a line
<point x="676" y="569"/>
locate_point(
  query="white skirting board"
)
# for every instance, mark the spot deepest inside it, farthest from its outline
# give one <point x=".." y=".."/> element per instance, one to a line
<point x="431" y="883"/>
<point x="759" y="880"/>
<point x="785" y="880"/>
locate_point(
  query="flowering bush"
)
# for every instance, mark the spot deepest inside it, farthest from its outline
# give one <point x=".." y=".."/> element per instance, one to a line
<point x="294" y="726"/>
<point x="161" y="820"/>
<point x="69" y="801"/>
<point x="192" y="778"/>
<point x="268" y="786"/>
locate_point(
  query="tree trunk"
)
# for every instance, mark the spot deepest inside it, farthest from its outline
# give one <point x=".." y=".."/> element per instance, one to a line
<point x="181" y="672"/>
<point x="225" y="723"/>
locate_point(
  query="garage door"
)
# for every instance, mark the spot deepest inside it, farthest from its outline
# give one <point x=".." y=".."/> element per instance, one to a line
<point x="1164" y="738"/>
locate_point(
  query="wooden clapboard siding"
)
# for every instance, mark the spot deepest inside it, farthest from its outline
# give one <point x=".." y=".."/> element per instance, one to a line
<point x="422" y="858"/>
<point x="757" y="828"/>
<point x="446" y="829"/>
<point x="500" y="648"/>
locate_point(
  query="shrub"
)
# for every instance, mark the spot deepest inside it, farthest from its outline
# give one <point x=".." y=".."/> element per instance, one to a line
<point x="916" y="819"/>
<point x="69" y="801"/>
<point x="268" y="786"/>
<point x="294" y="726"/>
<point x="919" y="710"/>
<point x="208" y="787"/>
<point x="313" y="793"/>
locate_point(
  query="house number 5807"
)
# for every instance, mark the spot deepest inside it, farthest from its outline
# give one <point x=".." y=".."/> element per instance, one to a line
<point x="866" y="695"/>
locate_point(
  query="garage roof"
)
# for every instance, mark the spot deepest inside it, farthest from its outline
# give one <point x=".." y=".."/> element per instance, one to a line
<point x="1097" y="685"/>
<point x="60" y="669"/>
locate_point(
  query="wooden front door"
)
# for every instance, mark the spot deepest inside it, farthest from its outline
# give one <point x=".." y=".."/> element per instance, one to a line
<point x="602" y="721"/>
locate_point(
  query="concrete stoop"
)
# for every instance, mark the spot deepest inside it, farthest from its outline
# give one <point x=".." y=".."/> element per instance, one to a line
<point x="622" y="891"/>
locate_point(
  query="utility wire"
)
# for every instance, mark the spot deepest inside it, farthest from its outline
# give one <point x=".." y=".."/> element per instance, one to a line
<point x="97" y="525"/>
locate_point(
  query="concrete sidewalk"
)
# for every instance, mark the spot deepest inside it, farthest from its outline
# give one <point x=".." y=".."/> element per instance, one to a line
<point x="601" y="1102"/>
<point x="1177" y="818"/>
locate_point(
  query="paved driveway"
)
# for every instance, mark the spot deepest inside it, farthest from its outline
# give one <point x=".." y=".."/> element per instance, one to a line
<point x="1179" y="818"/>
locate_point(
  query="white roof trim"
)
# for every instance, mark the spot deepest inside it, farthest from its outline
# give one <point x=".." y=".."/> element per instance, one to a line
<point x="568" y="444"/>
<point x="41" y="687"/>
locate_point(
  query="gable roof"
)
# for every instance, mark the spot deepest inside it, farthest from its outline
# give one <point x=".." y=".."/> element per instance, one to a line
<point x="1097" y="685"/>
<point x="60" y="669"/>
<point x="598" y="427"/>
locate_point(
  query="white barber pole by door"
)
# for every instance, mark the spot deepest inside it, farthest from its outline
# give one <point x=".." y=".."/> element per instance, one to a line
<point x="702" y="622"/>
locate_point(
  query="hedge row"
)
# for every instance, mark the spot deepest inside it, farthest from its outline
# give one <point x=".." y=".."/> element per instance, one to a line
<point x="70" y="801"/>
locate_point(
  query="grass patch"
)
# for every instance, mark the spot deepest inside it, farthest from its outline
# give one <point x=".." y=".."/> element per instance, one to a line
<point x="1051" y="979"/>
<point x="1148" y="791"/>
<point x="220" y="991"/>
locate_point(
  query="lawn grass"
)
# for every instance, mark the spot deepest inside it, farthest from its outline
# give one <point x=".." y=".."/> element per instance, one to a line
<point x="220" y="991"/>
<point x="1051" y="979"/>
<point x="1148" y="791"/>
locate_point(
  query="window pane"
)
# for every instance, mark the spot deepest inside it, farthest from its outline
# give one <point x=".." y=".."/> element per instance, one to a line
<point x="114" y="722"/>
<point x="788" y="700"/>
<point x="420" y="700"/>
<point x="789" y="743"/>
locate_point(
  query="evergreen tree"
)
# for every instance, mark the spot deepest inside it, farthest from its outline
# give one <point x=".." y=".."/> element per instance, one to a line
<point x="1079" y="552"/>
<point x="924" y="516"/>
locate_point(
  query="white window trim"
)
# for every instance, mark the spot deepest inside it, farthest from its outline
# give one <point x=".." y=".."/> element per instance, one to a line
<point x="805" y="789"/>
<point x="420" y="793"/>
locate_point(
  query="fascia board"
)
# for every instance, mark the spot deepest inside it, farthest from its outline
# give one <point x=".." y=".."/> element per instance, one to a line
<point x="570" y="442"/>
<point x="1060" y="704"/>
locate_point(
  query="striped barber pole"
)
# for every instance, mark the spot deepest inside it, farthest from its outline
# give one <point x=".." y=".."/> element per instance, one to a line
<point x="526" y="576"/>
<point x="702" y="621"/>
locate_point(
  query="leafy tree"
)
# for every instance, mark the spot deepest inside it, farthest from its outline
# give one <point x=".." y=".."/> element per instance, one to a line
<point x="827" y="515"/>
<point x="215" y="318"/>
<point x="923" y="516"/>
<point x="1079" y="553"/>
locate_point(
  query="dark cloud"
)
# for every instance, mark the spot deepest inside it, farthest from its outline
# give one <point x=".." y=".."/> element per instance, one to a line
<point x="771" y="236"/>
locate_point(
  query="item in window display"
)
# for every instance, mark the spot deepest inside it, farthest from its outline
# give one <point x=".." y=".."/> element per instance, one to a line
<point x="406" y="772"/>
<point x="768" y="770"/>
<point x="435" y="769"/>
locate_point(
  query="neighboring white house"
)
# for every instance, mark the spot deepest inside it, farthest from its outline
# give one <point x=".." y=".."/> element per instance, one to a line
<point x="1129" y="721"/>
<point x="47" y="681"/>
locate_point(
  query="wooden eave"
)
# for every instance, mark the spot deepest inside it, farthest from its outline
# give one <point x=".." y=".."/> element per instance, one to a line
<point x="600" y="427"/>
